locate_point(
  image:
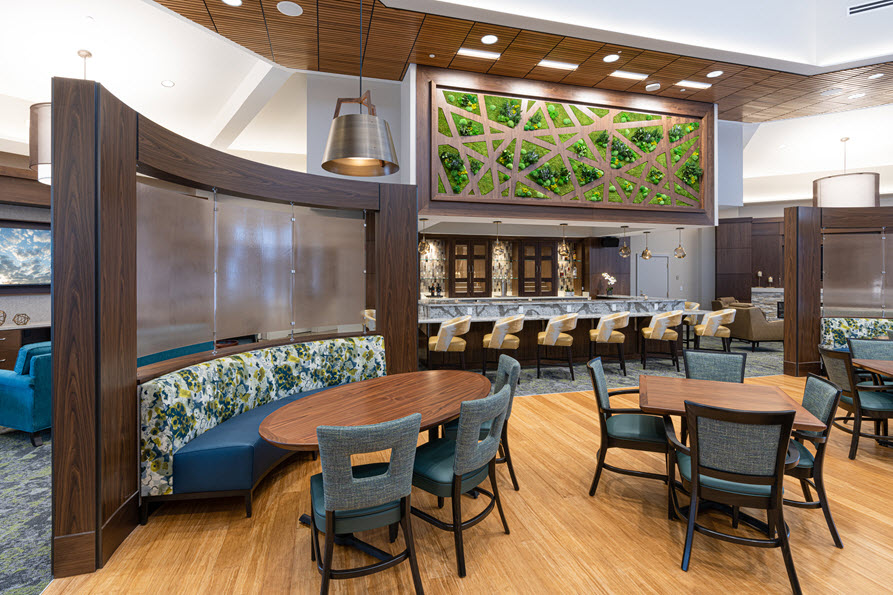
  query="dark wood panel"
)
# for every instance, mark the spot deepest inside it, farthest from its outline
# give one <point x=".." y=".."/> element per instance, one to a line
<point x="603" y="259"/>
<point x="768" y="257"/>
<point x="371" y="261"/>
<point x="857" y="218"/>
<point x="118" y="434"/>
<point x="168" y="156"/>
<point x="734" y="261"/>
<point x="74" y="327"/>
<point x="802" y="299"/>
<point x="398" y="276"/>
<point x="734" y="258"/>
<point x="21" y="191"/>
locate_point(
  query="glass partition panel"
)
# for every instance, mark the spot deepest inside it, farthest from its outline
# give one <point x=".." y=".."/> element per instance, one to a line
<point x="853" y="279"/>
<point x="175" y="266"/>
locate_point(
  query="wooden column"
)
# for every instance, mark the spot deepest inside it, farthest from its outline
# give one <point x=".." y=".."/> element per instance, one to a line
<point x="95" y="433"/>
<point x="802" y="287"/>
<point x="396" y="238"/>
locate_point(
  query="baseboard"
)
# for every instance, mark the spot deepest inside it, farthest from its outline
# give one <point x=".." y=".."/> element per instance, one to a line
<point x="74" y="554"/>
<point x="801" y="368"/>
<point x="118" y="527"/>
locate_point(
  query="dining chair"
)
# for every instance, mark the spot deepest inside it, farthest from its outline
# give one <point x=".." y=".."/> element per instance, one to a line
<point x="449" y="338"/>
<point x="449" y="468"/>
<point x="712" y="326"/>
<point x="502" y="339"/>
<point x="881" y="349"/>
<point x="507" y="374"/>
<point x="556" y="335"/>
<point x="369" y="320"/>
<point x="690" y="321"/>
<point x="736" y="459"/>
<point x="608" y="331"/>
<point x="627" y="428"/>
<point x="347" y="499"/>
<point x="662" y="328"/>
<point x="820" y="397"/>
<point x="703" y="364"/>
<point x="861" y="400"/>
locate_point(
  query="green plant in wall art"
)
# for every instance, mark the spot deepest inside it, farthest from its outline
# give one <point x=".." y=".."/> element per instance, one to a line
<point x="621" y="154"/>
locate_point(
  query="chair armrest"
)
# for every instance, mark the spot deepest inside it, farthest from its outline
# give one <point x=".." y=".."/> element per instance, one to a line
<point x="792" y="458"/>
<point x="672" y="439"/>
<point x="813" y="439"/>
<point x="622" y="391"/>
<point x="11" y="380"/>
<point x="623" y="410"/>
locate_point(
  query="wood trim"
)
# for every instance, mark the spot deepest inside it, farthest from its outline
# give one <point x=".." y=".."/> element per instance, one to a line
<point x="119" y="525"/>
<point x="870" y="218"/>
<point x="23" y="191"/>
<point x="19" y="172"/>
<point x="74" y="554"/>
<point x="24" y="289"/>
<point x="802" y="270"/>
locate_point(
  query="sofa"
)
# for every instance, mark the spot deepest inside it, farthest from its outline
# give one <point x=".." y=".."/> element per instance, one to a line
<point x="836" y="330"/>
<point x="750" y="325"/>
<point x="728" y="302"/>
<point x="26" y="392"/>
<point x="199" y="425"/>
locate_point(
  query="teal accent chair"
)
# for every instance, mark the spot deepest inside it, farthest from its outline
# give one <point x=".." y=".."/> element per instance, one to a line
<point x="737" y="459"/>
<point x="26" y="392"/>
<point x="347" y="499"/>
<point x="507" y="374"/>
<point x="449" y="468"/>
<point x="721" y="366"/>
<point x="623" y="428"/>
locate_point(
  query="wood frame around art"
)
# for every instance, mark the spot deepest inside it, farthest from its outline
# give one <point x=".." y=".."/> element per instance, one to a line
<point x="429" y="80"/>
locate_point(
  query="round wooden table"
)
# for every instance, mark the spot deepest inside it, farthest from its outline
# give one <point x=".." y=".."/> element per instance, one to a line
<point x="436" y="394"/>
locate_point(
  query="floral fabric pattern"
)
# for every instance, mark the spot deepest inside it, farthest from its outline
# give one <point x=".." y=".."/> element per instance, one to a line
<point x="835" y="331"/>
<point x="178" y="407"/>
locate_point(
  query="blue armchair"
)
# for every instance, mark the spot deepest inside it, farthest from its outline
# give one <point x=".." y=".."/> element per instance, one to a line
<point x="25" y="392"/>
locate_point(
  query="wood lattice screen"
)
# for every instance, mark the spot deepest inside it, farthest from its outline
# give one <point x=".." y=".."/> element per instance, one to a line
<point x="477" y="155"/>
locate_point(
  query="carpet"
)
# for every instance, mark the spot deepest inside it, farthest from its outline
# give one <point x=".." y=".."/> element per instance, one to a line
<point x="25" y="514"/>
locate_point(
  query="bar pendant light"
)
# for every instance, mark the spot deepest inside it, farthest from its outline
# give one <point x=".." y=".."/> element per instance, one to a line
<point x="624" y="248"/>
<point x="423" y="244"/>
<point x="498" y="247"/>
<point x="360" y="144"/>
<point x="847" y="190"/>
<point x="679" y="252"/>
<point x="563" y="249"/>
<point x="646" y="253"/>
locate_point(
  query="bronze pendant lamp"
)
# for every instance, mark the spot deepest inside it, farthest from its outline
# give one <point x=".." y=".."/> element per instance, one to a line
<point x="360" y="144"/>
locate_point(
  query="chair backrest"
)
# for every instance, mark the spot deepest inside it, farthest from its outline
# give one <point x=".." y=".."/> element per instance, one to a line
<point x="714" y="320"/>
<point x="507" y="374"/>
<point x="714" y="365"/>
<point x="558" y="325"/>
<point x="692" y="306"/>
<point x="599" y="384"/>
<point x="454" y="327"/>
<point x="839" y="366"/>
<point x="342" y="490"/>
<point x="820" y="397"/>
<point x="609" y="323"/>
<point x="504" y="326"/>
<point x="369" y="320"/>
<point x="472" y="453"/>
<point x="881" y="349"/>
<point x="664" y="321"/>
<point x="27" y="352"/>
<point x="741" y="446"/>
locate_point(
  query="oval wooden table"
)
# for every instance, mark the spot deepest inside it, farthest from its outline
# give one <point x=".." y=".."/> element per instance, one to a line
<point x="436" y="394"/>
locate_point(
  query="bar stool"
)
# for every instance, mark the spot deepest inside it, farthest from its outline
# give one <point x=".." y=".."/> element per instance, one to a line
<point x="501" y="339"/>
<point x="555" y="336"/>
<point x="712" y="327"/>
<point x="689" y="321"/>
<point x="449" y="338"/>
<point x="608" y="331"/>
<point x="369" y="320"/>
<point x="661" y="328"/>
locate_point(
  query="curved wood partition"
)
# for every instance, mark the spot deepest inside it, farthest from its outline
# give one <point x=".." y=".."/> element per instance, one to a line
<point x="99" y="145"/>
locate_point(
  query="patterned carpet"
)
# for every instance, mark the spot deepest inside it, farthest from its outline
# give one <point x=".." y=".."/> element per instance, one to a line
<point x="25" y="516"/>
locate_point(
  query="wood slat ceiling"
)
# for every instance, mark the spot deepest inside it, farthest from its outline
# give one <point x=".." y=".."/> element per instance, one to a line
<point x="326" y="38"/>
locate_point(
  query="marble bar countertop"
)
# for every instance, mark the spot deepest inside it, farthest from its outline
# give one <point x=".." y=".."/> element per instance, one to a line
<point x="767" y="289"/>
<point x="489" y="310"/>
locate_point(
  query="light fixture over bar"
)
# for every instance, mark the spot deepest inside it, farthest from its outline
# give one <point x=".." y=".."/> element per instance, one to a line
<point x="484" y="55"/>
<point x="558" y="65"/>
<point x="693" y="84"/>
<point x="625" y="74"/>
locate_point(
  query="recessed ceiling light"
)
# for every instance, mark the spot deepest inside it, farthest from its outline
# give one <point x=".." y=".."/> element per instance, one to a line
<point x="556" y="64"/>
<point x="611" y="58"/>
<point x="290" y="9"/>
<point x="876" y="75"/>
<point x="714" y="74"/>
<point x="683" y="90"/>
<point x="624" y="74"/>
<point x="782" y="146"/>
<point x="478" y="54"/>
<point x="856" y="95"/>
<point x="831" y="92"/>
<point x="652" y="86"/>
<point x="167" y="83"/>
<point x="233" y="2"/>
<point x="431" y="56"/>
<point x="489" y="39"/>
<point x="694" y="84"/>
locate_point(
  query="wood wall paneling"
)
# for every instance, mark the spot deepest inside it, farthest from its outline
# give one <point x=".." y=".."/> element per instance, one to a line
<point x="371" y="261"/>
<point x="857" y="218"/>
<point x="802" y="298"/>
<point x="604" y="259"/>
<point x="733" y="258"/>
<point x="16" y="188"/>
<point x="768" y="251"/>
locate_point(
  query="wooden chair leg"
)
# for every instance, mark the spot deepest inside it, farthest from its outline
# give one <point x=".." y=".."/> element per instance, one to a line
<point x="819" y="480"/>
<point x="248" y="499"/>
<point x="439" y="502"/>
<point x="392" y="532"/>
<point x="406" y="523"/>
<point x="697" y="341"/>
<point x="570" y="363"/>
<point x="538" y="347"/>
<point x="496" y="497"/>
<point x="690" y="530"/>
<point x="462" y="360"/>
<point x="484" y="361"/>
<point x="330" y="550"/>
<point x="857" y="428"/>
<point x="508" y="455"/>
<point x="786" y="550"/>
<point x="457" y="527"/>
<point x="598" y="469"/>
<point x="620" y="357"/>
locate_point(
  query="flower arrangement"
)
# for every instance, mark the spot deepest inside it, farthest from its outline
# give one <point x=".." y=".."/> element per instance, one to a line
<point x="611" y="281"/>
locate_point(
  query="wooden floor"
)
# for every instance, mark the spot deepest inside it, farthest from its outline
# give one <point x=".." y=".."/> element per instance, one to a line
<point x="562" y="541"/>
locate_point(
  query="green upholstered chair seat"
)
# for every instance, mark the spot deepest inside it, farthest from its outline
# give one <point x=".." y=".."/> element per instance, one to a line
<point x="807" y="458"/>
<point x="451" y="429"/>
<point x="361" y="519"/>
<point x="433" y="471"/>
<point x="633" y="426"/>
<point x="732" y="487"/>
<point x="874" y="401"/>
<point x="869" y="383"/>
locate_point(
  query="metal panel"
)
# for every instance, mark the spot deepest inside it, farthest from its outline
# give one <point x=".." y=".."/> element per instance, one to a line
<point x="853" y="275"/>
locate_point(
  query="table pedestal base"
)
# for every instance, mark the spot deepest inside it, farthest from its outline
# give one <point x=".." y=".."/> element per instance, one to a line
<point x="349" y="540"/>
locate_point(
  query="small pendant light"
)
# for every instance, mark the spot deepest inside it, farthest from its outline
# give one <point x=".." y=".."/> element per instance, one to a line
<point x="624" y="248"/>
<point x="423" y="244"/>
<point x="646" y="253"/>
<point x="679" y="252"/>
<point x="360" y="144"/>
<point x="563" y="249"/>
<point x="498" y="247"/>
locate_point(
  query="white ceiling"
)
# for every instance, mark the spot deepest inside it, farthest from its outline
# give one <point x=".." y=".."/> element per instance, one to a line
<point x="803" y="36"/>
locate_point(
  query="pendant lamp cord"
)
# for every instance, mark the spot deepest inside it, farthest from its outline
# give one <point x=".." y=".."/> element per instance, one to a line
<point x="361" y="54"/>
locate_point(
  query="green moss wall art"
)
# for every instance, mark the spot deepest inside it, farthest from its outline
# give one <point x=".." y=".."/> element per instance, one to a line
<point x="519" y="150"/>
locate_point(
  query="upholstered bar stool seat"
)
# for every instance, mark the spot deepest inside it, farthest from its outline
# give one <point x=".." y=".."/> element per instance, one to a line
<point x="563" y="340"/>
<point x="449" y="339"/>
<point x="667" y="335"/>
<point x="713" y="327"/>
<point x="502" y="339"/>
<point x="555" y="335"/>
<point x="662" y="328"/>
<point x="606" y="332"/>
<point x="614" y="337"/>
<point x="455" y="344"/>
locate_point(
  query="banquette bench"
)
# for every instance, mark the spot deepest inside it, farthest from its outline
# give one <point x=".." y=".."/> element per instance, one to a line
<point x="199" y="425"/>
